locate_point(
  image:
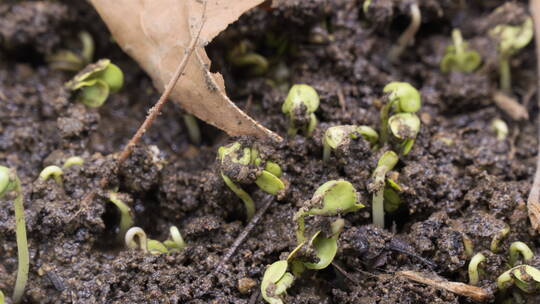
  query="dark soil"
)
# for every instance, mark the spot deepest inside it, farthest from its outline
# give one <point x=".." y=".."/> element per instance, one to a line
<point x="459" y="181"/>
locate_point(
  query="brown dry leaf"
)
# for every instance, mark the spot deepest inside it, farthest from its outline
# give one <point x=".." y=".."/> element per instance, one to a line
<point x="473" y="292"/>
<point x="156" y="34"/>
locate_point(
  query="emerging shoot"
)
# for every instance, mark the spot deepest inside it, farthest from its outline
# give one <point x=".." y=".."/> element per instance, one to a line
<point x="407" y="37"/>
<point x="70" y="61"/>
<point x="517" y="249"/>
<point x="525" y="277"/>
<point x="501" y="234"/>
<point x="243" y="56"/>
<point x="73" y="161"/>
<point x="275" y="282"/>
<point x="510" y="40"/>
<point x="193" y="129"/>
<point x="9" y="182"/>
<point x="340" y="136"/>
<point x="176" y="242"/>
<point x="300" y="105"/>
<point x="54" y="171"/>
<point x="474" y="268"/>
<point x="458" y="57"/>
<point x="146" y="245"/>
<point x="500" y="128"/>
<point x="386" y="163"/>
<point x="126" y="218"/>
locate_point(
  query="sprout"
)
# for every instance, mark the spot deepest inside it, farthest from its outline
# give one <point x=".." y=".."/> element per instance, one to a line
<point x="237" y="162"/>
<point x="176" y="243"/>
<point x="276" y="281"/>
<point x="146" y="245"/>
<point x="494" y="247"/>
<point x="458" y="57"/>
<point x="56" y="173"/>
<point x="391" y="200"/>
<point x="193" y="129"/>
<point x="299" y="106"/>
<point x="340" y="136"/>
<point x="126" y="217"/>
<point x="72" y="161"/>
<point x="242" y="56"/>
<point x="517" y="248"/>
<point x="9" y="181"/>
<point x="404" y="100"/>
<point x="70" y="61"/>
<point x="1" y="297"/>
<point x="386" y="163"/>
<point x="473" y="268"/>
<point x="511" y="39"/>
<point x="96" y="81"/>
<point x="500" y="127"/>
<point x="525" y="277"/>
<point x="407" y="36"/>
<point x="467" y="245"/>
<point x="325" y="248"/>
<point x="365" y="6"/>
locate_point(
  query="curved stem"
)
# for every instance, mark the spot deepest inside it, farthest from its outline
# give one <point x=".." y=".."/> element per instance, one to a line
<point x="193" y="129"/>
<point x="22" y="244"/>
<point x="494" y="246"/>
<point x="130" y="238"/>
<point x="517" y="248"/>
<point x="408" y="35"/>
<point x="505" y="76"/>
<point x="473" y="268"/>
<point x="243" y="195"/>
<point x="126" y="220"/>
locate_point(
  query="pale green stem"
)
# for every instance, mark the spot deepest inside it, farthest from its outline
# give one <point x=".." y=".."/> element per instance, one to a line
<point x="326" y="152"/>
<point x="88" y="46"/>
<point x="177" y="238"/>
<point x="517" y="248"/>
<point x="385" y="113"/>
<point x="378" y="208"/>
<point x="56" y="173"/>
<point x="408" y="35"/>
<point x="458" y="44"/>
<point x="22" y="244"/>
<point x="126" y="220"/>
<point x="193" y="129"/>
<point x="301" y="227"/>
<point x="473" y="268"/>
<point x="243" y="195"/>
<point x="505" y="76"/>
<point x="494" y="247"/>
<point x="130" y="238"/>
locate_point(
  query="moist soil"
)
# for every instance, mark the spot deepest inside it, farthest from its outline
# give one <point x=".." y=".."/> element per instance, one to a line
<point x="459" y="181"/>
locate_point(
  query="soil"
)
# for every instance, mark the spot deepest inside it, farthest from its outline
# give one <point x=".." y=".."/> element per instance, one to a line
<point x="459" y="181"/>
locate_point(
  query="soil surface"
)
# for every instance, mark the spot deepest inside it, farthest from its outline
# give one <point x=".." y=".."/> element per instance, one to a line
<point x="458" y="182"/>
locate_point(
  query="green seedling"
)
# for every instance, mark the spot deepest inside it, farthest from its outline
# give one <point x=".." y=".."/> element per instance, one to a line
<point x="500" y="128"/>
<point x="468" y="246"/>
<point x="126" y="217"/>
<point x="407" y="37"/>
<point x="391" y="200"/>
<point x="54" y="171"/>
<point x="474" y="268"/>
<point x="70" y="61"/>
<point x="193" y="129"/>
<point x="386" y="162"/>
<point x="525" y="277"/>
<point x="300" y="105"/>
<point x="458" y="57"/>
<point x="517" y="249"/>
<point x="275" y="282"/>
<point x="1" y="297"/>
<point x="365" y="6"/>
<point x="176" y="241"/>
<point x="341" y="136"/>
<point x="243" y="56"/>
<point x="73" y="161"/>
<point x="238" y="161"/>
<point x="146" y="245"/>
<point x="404" y="101"/>
<point x="510" y="40"/>
<point x="96" y="81"/>
<point x="325" y="247"/>
<point x="501" y="234"/>
<point x="10" y="183"/>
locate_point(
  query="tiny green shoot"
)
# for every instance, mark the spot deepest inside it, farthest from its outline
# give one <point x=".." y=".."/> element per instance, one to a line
<point x="407" y="37"/>
<point x="300" y="105"/>
<point x="510" y="40"/>
<point x="474" y="268"/>
<point x="386" y="162"/>
<point x="193" y="129"/>
<point x="340" y="136"/>
<point x="242" y="56"/>
<point x="9" y="182"/>
<point x="276" y="281"/>
<point x="126" y="217"/>
<point x="517" y="249"/>
<point x="70" y="61"/>
<point x="73" y="161"/>
<point x="501" y="234"/>
<point x="458" y="57"/>
<point x="500" y="128"/>
<point x="146" y="245"/>
<point x="54" y="171"/>
<point x="176" y="241"/>
<point x="525" y="277"/>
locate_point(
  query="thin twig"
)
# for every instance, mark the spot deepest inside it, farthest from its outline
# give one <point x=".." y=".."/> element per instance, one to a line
<point x="267" y="201"/>
<point x="152" y="113"/>
<point x="533" y="203"/>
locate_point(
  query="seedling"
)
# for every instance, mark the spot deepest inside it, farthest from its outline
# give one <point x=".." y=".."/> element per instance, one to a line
<point x="458" y="57"/>
<point x="236" y="162"/>
<point x="275" y="282"/>
<point x="407" y="37"/>
<point x="70" y="61"/>
<point x="365" y="6"/>
<point x="9" y="182"/>
<point x="494" y="247"/>
<point x="391" y="200"/>
<point x="517" y="249"/>
<point x="193" y="129"/>
<point x="73" y="161"/>
<point x="300" y="105"/>
<point x="96" y="81"/>
<point x="386" y="163"/>
<point x="126" y="217"/>
<point x="500" y="127"/>
<point x="54" y="171"/>
<point x="1" y="297"/>
<point x="243" y="56"/>
<point x="468" y="246"/>
<point x="403" y="100"/>
<point x="146" y="245"/>
<point x="340" y="136"/>
<point x="176" y="243"/>
<point x="525" y="277"/>
<point x="473" y="268"/>
<point x="511" y="39"/>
